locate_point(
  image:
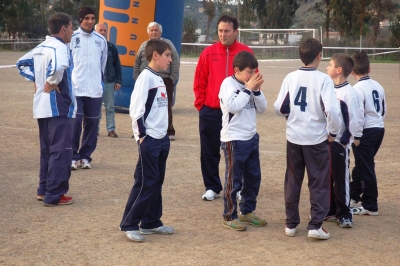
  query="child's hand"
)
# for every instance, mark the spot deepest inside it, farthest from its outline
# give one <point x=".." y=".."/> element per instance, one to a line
<point x="356" y="142"/>
<point x="255" y="82"/>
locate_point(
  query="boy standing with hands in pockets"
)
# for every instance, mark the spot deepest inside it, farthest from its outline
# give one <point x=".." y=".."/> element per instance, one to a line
<point x="149" y="113"/>
<point x="240" y="100"/>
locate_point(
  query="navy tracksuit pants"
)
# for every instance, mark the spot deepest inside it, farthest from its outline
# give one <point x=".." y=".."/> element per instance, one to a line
<point x="55" y="135"/>
<point x="363" y="174"/>
<point x="88" y="113"/>
<point x="340" y="181"/>
<point x="210" y="125"/>
<point x="242" y="164"/>
<point x="144" y="204"/>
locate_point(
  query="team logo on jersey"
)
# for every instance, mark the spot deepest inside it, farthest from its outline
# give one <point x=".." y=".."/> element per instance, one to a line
<point x="163" y="100"/>
<point x="78" y="41"/>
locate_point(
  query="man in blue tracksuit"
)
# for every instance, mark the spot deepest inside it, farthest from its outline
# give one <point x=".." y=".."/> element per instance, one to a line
<point x="54" y="107"/>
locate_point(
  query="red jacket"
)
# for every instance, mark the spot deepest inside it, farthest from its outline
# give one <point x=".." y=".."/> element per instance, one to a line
<point x="214" y="65"/>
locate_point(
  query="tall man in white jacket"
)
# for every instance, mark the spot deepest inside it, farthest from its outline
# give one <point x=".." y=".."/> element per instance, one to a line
<point x="89" y="58"/>
<point x="54" y="107"/>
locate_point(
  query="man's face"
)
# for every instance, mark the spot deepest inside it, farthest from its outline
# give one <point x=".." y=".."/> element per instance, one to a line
<point x="102" y="29"/>
<point x="154" y="32"/>
<point x="226" y="34"/>
<point x="68" y="32"/>
<point x="88" y="22"/>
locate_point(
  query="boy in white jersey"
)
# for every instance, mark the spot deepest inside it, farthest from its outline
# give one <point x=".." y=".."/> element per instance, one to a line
<point x="240" y="100"/>
<point x="307" y="99"/>
<point x="364" y="186"/>
<point x="149" y="113"/>
<point x="339" y="69"/>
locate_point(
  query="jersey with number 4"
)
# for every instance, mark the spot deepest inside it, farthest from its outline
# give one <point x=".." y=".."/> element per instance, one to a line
<point x="372" y="96"/>
<point x="307" y="99"/>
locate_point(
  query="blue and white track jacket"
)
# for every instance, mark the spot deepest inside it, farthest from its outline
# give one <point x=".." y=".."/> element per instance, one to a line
<point x="89" y="57"/>
<point x="49" y="62"/>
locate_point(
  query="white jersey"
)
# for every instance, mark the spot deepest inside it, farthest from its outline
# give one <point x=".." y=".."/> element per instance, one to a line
<point x="373" y="101"/>
<point x="307" y="99"/>
<point x="351" y="114"/>
<point x="89" y="57"/>
<point x="149" y="106"/>
<point x="49" y="62"/>
<point x="239" y="108"/>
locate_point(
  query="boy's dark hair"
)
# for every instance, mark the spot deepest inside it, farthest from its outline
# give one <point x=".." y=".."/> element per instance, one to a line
<point x="345" y="62"/>
<point x="56" y="21"/>
<point x="309" y="49"/>
<point x="155" y="45"/>
<point x="229" y="19"/>
<point x="361" y="63"/>
<point x="245" y="59"/>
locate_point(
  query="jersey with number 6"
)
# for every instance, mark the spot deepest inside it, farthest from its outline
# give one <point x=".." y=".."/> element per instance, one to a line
<point x="307" y="98"/>
<point x="372" y="96"/>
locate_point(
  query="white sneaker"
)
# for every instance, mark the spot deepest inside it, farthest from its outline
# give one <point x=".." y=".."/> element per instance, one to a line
<point x="74" y="165"/>
<point x="238" y="196"/>
<point x="134" y="235"/>
<point x="321" y="233"/>
<point x="362" y="211"/>
<point x="290" y="231"/>
<point x="210" y="195"/>
<point x="85" y="164"/>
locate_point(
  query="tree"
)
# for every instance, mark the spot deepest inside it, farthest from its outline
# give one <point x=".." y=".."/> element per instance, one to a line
<point x="395" y="29"/>
<point x="324" y="9"/>
<point x="379" y="10"/>
<point x="189" y="28"/>
<point x="209" y="10"/>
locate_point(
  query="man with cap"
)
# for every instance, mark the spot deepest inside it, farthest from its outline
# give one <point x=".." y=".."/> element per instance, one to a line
<point x="89" y="58"/>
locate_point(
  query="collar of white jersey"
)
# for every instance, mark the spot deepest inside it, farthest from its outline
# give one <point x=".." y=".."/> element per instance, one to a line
<point x="307" y="68"/>
<point x="152" y="71"/>
<point x="238" y="81"/>
<point x="341" y="85"/>
<point x="364" y="78"/>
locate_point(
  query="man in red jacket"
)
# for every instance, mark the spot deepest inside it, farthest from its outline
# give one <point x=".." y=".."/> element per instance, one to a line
<point x="214" y="65"/>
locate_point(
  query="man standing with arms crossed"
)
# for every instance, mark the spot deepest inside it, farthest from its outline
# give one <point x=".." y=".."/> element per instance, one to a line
<point x="214" y="65"/>
<point x="89" y="57"/>
<point x="112" y="81"/>
<point x="54" y="107"/>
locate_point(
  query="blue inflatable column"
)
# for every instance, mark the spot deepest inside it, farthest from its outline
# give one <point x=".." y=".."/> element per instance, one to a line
<point x="127" y="22"/>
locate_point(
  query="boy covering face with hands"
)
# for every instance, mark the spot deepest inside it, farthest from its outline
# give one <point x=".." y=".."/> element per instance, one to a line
<point x="240" y="100"/>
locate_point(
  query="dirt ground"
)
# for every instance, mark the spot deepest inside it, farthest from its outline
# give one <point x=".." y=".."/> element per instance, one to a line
<point x="87" y="233"/>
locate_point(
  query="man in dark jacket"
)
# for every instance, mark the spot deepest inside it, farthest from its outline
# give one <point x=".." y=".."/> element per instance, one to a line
<point x="112" y="81"/>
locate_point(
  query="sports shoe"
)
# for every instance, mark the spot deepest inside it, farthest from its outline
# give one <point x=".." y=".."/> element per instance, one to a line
<point x="40" y="197"/>
<point x="235" y="225"/>
<point x="252" y="218"/>
<point x="290" y="231"/>
<point x="345" y="222"/>
<point x="74" y="165"/>
<point x="112" y="134"/>
<point x="172" y="137"/>
<point x="85" y="164"/>
<point x="362" y="211"/>
<point x="164" y="230"/>
<point x="321" y="233"/>
<point x="238" y="196"/>
<point x="210" y="195"/>
<point x="354" y="203"/>
<point x="134" y="235"/>
<point x="64" y="200"/>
